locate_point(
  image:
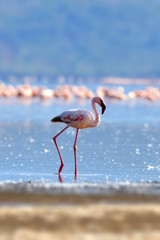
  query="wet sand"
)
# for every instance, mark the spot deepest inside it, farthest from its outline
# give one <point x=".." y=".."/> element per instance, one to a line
<point x="60" y="216"/>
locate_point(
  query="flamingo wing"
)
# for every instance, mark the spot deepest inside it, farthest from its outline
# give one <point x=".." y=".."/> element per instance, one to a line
<point x="75" y="118"/>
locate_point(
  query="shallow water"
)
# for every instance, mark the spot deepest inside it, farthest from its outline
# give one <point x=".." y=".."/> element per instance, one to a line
<point x="125" y="147"/>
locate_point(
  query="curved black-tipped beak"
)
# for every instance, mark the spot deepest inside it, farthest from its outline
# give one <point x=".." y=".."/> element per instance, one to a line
<point x="103" y="106"/>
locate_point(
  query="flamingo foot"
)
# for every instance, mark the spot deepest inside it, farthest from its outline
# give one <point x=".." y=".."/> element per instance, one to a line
<point x="60" y="179"/>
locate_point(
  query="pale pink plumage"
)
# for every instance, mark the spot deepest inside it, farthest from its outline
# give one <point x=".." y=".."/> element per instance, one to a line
<point x="79" y="119"/>
<point x="76" y="118"/>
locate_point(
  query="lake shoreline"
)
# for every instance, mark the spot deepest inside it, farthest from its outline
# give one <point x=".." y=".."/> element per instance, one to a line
<point x="44" y="193"/>
<point x="75" y="216"/>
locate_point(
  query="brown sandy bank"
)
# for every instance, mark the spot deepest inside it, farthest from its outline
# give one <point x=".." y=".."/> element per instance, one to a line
<point x="121" y="219"/>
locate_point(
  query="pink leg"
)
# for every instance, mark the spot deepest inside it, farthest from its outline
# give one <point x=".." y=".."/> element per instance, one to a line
<point x="60" y="178"/>
<point x="75" y="148"/>
<point x="54" y="139"/>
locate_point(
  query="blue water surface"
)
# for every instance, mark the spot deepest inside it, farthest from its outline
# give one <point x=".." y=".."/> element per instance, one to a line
<point x="125" y="147"/>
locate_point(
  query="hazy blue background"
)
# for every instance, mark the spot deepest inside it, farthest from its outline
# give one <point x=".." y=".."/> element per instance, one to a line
<point x="88" y="38"/>
<point x="83" y="39"/>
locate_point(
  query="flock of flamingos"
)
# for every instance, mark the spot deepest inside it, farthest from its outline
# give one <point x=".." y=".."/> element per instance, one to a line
<point x="68" y="92"/>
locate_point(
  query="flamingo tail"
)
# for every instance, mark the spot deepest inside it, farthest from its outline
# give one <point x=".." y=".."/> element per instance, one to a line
<point x="56" y="119"/>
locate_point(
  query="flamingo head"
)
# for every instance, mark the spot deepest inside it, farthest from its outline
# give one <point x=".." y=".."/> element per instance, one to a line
<point x="100" y="102"/>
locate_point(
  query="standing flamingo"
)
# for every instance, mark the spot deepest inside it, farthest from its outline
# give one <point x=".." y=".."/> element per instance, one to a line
<point x="78" y="119"/>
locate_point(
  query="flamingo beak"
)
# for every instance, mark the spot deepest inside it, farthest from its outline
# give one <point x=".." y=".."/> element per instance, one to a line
<point x="103" y="106"/>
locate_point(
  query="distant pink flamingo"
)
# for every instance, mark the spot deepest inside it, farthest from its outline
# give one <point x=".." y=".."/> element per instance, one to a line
<point x="78" y="119"/>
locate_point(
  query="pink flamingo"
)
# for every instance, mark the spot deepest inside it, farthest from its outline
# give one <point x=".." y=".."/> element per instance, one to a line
<point x="78" y="119"/>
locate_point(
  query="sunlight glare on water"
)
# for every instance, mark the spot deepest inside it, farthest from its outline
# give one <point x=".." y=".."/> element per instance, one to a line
<point x="110" y="152"/>
<point x="124" y="147"/>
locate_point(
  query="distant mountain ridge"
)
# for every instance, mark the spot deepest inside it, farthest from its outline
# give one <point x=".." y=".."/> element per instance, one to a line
<point x="80" y="38"/>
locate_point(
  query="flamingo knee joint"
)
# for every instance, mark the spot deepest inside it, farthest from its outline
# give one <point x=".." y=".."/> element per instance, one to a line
<point x="74" y="147"/>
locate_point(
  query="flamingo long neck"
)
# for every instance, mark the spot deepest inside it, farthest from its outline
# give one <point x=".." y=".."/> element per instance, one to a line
<point x="97" y="119"/>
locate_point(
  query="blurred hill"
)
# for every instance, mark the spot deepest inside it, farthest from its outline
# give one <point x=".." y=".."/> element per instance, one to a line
<point x="80" y="38"/>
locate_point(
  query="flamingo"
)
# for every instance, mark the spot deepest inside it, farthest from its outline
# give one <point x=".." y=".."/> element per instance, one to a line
<point x="78" y="119"/>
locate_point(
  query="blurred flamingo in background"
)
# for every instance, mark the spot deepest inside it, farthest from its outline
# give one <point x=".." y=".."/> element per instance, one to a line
<point x="78" y="119"/>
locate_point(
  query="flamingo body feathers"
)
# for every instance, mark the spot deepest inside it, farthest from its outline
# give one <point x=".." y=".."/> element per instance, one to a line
<point x="75" y="118"/>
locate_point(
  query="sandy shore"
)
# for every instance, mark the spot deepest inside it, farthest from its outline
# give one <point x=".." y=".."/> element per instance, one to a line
<point x="41" y="216"/>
